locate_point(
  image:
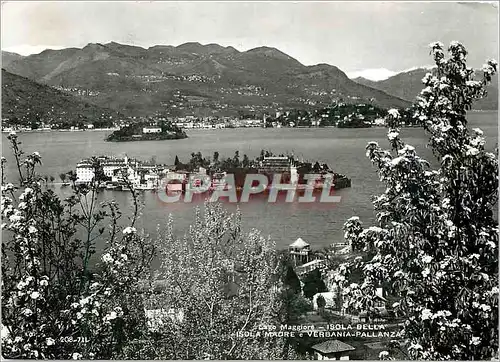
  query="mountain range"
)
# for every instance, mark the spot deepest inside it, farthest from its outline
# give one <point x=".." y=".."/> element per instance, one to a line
<point x="407" y="85"/>
<point x="192" y="79"/>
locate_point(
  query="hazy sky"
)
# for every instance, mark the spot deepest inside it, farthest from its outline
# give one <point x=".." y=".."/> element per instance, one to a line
<point x="353" y="36"/>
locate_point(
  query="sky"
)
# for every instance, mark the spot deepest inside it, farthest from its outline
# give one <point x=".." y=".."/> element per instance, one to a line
<point x="371" y="39"/>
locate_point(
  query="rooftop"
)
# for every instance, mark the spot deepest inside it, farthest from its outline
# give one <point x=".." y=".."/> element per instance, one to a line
<point x="313" y="262"/>
<point x="272" y="158"/>
<point x="332" y="346"/>
<point x="299" y="243"/>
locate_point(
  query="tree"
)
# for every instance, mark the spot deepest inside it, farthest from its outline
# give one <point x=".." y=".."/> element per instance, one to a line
<point x="216" y="160"/>
<point x="176" y="162"/>
<point x="224" y="282"/>
<point x="317" y="167"/>
<point x="236" y="159"/>
<point x="58" y="303"/>
<point x="313" y="284"/>
<point x="436" y="242"/>
<point x="292" y="281"/>
<point x="52" y="178"/>
<point x="321" y="303"/>
<point x="62" y="176"/>
<point x="352" y="229"/>
<point x="292" y="306"/>
<point x="246" y="161"/>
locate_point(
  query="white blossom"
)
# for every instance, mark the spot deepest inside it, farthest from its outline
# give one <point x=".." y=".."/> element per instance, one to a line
<point x="22" y="206"/>
<point x="471" y="151"/>
<point x="472" y="83"/>
<point x="35" y="295"/>
<point x="485" y="308"/>
<point x="129" y="230"/>
<point x="8" y="187"/>
<point x="426" y="90"/>
<point x="475" y="340"/>
<point x="427" y="78"/>
<point x="415" y="346"/>
<point x="107" y="258"/>
<point x="110" y="316"/>
<point x="398" y="274"/>
<point x="119" y="311"/>
<point x="426" y="314"/>
<point x="392" y="135"/>
<point x="16" y="217"/>
<point x="427" y="259"/>
<point x="76" y="355"/>
<point x="84" y="301"/>
<point x="393" y="113"/>
<point x="383" y="354"/>
<point x="436" y="44"/>
<point x="49" y="341"/>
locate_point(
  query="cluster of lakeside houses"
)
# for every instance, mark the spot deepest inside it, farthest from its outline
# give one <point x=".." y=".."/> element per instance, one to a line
<point x="188" y="122"/>
<point x="122" y="173"/>
<point x="334" y="349"/>
<point x="305" y="262"/>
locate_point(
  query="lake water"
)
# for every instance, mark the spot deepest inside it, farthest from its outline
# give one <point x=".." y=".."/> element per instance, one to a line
<point x="319" y="224"/>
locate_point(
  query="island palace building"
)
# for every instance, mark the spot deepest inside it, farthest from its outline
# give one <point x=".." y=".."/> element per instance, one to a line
<point x="138" y="172"/>
<point x="280" y="164"/>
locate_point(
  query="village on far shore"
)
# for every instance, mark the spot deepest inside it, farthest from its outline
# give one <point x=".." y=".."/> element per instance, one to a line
<point x="340" y="115"/>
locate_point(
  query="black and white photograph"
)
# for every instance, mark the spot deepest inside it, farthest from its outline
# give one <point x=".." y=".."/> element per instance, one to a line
<point x="249" y="180"/>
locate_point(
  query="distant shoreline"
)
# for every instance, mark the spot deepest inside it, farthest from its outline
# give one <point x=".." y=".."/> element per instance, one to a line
<point x="218" y="129"/>
<point x="62" y="130"/>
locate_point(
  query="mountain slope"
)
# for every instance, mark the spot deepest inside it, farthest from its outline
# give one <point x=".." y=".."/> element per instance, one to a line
<point x="194" y="78"/>
<point x="27" y="101"/>
<point x="407" y="85"/>
<point x="8" y="57"/>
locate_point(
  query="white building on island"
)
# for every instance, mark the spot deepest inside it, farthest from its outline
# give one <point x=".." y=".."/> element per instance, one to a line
<point x="141" y="175"/>
<point x="151" y="130"/>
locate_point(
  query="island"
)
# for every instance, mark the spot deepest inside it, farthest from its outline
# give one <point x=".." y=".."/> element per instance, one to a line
<point x="147" y="131"/>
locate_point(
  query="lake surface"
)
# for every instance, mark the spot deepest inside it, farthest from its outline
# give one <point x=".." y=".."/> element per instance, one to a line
<point x="319" y="224"/>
